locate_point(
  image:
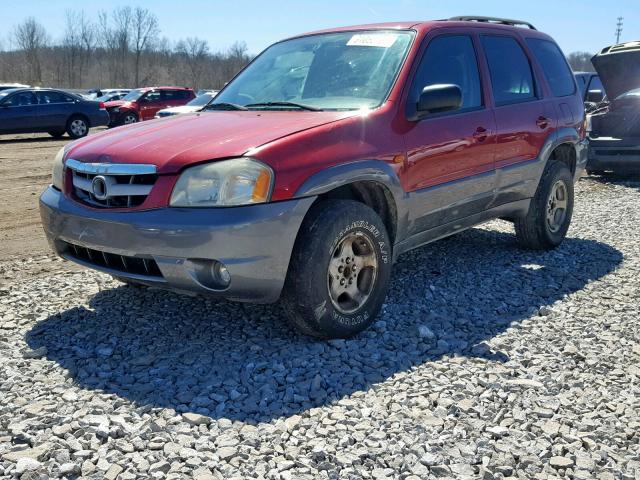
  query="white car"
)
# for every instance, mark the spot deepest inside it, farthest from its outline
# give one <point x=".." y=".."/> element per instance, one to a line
<point x="7" y="86"/>
<point x="94" y="94"/>
<point x="194" y="105"/>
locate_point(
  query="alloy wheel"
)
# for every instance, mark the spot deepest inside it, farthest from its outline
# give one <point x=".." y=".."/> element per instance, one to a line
<point x="352" y="273"/>
<point x="557" y="206"/>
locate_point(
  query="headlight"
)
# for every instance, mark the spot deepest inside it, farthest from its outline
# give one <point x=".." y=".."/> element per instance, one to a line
<point x="57" y="176"/>
<point x="238" y="181"/>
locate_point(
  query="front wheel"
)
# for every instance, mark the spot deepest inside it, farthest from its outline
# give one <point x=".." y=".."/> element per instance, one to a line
<point x="339" y="272"/>
<point x="547" y="221"/>
<point x="129" y="118"/>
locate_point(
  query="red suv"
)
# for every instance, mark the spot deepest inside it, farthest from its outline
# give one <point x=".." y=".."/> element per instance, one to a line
<point x="326" y="158"/>
<point x="143" y="104"/>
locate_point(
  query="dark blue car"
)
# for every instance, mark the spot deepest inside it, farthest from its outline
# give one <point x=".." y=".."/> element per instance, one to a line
<point x="29" y="110"/>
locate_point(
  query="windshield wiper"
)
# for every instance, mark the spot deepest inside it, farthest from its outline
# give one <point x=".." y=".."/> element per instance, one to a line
<point x="285" y="104"/>
<point x="224" y="106"/>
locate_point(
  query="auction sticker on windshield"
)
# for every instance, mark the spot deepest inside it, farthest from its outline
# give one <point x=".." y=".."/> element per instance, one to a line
<point x="384" y="40"/>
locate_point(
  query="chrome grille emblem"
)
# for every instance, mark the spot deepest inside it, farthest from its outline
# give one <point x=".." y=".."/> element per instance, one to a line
<point x="99" y="187"/>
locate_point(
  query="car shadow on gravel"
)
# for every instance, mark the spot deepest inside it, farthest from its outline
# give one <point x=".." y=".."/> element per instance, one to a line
<point x="243" y="362"/>
<point x="629" y="180"/>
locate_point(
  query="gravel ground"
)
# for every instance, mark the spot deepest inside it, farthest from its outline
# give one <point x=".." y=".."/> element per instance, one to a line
<point x="487" y="362"/>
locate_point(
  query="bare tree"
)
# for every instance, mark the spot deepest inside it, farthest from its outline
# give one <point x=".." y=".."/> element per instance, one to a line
<point x="194" y="51"/>
<point x="31" y="38"/>
<point x="580" y="61"/>
<point x="144" y="32"/>
<point x="120" y="48"/>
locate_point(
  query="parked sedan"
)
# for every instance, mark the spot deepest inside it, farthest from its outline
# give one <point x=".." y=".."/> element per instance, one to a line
<point x="111" y="97"/>
<point x="29" y="110"/>
<point x="143" y="104"/>
<point x="194" y="105"/>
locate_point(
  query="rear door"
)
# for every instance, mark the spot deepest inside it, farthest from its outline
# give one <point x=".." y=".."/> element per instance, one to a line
<point x="19" y="113"/>
<point x="54" y="109"/>
<point x="450" y="156"/>
<point x="150" y="104"/>
<point x="524" y="118"/>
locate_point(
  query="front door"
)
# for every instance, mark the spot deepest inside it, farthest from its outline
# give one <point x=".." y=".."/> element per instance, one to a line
<point x="450" y="156"/>
<point x="150" y="104"/>
<point x="19" y="113"/>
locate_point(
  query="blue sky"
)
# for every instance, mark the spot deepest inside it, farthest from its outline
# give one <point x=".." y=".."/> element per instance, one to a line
<point x="576" y="25"/>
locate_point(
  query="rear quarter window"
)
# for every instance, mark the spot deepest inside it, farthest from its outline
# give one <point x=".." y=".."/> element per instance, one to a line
<point x="555" y="67"/>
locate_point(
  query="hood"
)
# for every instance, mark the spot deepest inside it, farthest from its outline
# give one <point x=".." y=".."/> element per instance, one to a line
<point x="171" y="143"/>
<point x="619" y="68"/>
<point x="114" y="103"/>
<point x="182" y="109"/>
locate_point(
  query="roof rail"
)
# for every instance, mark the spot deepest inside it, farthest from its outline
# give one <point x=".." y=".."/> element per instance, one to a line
<point x="501" y="21"/>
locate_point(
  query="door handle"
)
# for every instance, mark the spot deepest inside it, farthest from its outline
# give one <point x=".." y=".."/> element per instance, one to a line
<point x="542" y="122"/>
<point x="480" y="134"/>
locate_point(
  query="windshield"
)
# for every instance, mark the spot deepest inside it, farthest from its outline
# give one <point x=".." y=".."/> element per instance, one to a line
<point x="201" y="100"/>
<point x="133" y="95"/>
<point x="333" y="71"/>
<point x="4" y="93"/>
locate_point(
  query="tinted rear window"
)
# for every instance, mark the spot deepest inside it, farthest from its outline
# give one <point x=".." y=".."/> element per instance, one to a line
<point x="511" y="77"/>
<point x="555" y="67"/>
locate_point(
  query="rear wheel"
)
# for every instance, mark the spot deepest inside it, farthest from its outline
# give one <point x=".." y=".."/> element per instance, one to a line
<point x="77" y="127"/>
<point x="547" y="221"/>
<point x="339" y="272"/>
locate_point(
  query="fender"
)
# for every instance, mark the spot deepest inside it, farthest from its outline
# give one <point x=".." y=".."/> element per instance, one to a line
<point x="363" y="170"/>
<point x="520" y="180"/>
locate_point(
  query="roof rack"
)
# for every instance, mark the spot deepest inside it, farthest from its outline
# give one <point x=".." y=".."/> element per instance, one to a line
<point x="501" y="21"/>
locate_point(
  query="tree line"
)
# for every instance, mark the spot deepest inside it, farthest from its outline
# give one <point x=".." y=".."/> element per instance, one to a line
<point x="125" y="48"/>
<point x="120" y="48"/>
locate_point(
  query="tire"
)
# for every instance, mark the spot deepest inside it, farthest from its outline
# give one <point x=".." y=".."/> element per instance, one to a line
<point x="77" y="127"/>
<point x="545" y="225"/>
<point x="128" y="119"/>
<point x="57" y="134"/>
<point x="335" y="236"/>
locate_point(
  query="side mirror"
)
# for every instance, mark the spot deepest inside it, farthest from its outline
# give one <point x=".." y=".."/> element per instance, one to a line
<point x="594" y="96"/>
<point x="438" y="98"/>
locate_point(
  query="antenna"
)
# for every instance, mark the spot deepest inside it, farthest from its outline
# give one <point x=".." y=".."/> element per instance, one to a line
<point x="619" y="29"/>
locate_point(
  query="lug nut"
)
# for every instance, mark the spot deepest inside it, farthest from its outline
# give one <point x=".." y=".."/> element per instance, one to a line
<point x="342" y="281"/>
<point x="340" y="268"/>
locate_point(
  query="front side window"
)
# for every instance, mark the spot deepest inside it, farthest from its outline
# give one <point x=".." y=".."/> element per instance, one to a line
<point x="333" y="71"/>
<point x="153" y="96"/>
<point x="509" y="68"/>
<point x="21" y="99"/>
<point x="449" y="60"/>
<point x="555" y="67"/>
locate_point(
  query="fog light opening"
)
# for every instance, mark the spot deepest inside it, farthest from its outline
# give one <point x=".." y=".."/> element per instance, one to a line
<point x="220" y="274"/>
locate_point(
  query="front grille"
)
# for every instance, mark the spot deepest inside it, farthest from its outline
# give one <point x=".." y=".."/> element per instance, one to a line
<point x="120" y="263"/>
<point x="110" y="185"/>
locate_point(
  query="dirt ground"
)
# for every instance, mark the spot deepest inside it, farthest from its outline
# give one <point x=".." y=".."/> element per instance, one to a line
<point x="25" y="171"/>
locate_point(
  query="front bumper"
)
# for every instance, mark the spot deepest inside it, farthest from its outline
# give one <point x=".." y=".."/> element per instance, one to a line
<point x="254" y="242"/>
<point x="617" y="155"/>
